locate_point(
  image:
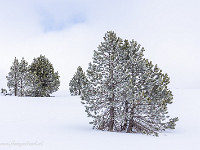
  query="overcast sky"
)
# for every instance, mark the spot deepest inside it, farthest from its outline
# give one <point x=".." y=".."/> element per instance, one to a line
<point x="67" y="32"/>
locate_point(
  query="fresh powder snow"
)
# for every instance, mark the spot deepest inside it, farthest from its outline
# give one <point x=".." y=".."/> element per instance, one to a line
<point x="59" y="122"/>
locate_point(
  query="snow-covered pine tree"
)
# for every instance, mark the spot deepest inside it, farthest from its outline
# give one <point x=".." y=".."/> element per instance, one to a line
<point x="77" y="82"/>
<point x="125" y="92"/>
<point x="101" y="94"/>
<point x="13" y="78"/>
<point x="48" y="80"/>
<point x="33" y="84"/>
<point x="23" y="78"/>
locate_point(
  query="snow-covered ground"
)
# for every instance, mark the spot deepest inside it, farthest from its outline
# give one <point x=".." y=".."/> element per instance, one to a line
<point x="60" y="123"/>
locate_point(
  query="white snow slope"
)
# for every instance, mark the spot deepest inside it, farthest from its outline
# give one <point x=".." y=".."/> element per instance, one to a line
<point x="60" y="123"/>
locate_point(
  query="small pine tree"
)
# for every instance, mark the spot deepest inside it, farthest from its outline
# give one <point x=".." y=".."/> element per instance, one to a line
<point x="47" y="81"/>
<point x="124" y="91"/>
<point x="13" y="77"/>
<point x="77" y="82"/>
<point x="3" y="91"/>
<point x="23" y="78"/>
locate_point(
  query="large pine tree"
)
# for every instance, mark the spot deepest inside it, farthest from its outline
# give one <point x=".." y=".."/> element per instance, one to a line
<point x="125" y="92"/>
<point x="101" y="95"/>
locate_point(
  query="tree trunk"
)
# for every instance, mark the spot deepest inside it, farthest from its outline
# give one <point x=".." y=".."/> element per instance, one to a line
<point x="112" y="87"/>
<point x="124" y="126"/>
<point x="21" y="89"/>
<point x="15" y="80"/>
<point x="79" y="92"/>
<point x="15" y="89"/>
<point x="130" y="124"/>
<point x="111" y="122"/>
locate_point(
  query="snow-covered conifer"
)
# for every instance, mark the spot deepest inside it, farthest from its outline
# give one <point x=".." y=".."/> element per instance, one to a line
<point x="13" y="78"/>
<point x="23" y="78"/>
<point x="47" y="81"/>
<point x="101" y="94"/>
<point x="126" y="92"/>
<point x="77" y="82"/>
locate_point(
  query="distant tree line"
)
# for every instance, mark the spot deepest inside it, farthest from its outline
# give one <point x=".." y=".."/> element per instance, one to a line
<point x="37" y="80"/>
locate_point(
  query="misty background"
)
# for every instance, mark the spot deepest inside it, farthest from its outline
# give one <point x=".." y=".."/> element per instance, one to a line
<point x="68" y="31"/>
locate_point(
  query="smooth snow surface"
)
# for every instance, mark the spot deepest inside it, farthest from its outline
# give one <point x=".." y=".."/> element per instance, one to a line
<point x="60" y="123"/>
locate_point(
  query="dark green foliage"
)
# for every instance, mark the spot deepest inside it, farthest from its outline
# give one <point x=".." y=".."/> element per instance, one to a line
<point x="47" y="81"/>
<point x="125" y="92"/>
<point x="77" y="82"/>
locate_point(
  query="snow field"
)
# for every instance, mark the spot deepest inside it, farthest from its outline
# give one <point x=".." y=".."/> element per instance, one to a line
<point x="32" y="123"/>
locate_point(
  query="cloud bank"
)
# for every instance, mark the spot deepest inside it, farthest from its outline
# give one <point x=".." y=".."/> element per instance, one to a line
<point x="67" y="32"/>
